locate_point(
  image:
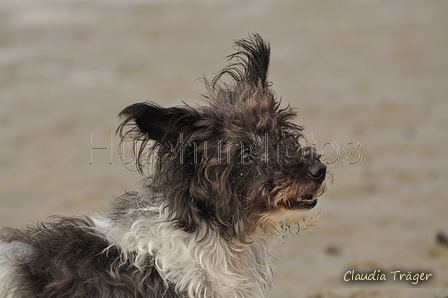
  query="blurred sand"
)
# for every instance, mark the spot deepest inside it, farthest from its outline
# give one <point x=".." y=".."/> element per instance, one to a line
<point x="373" y="73"/>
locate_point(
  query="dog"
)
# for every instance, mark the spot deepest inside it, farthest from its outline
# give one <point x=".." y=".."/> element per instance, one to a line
<point x="225" y="183"/>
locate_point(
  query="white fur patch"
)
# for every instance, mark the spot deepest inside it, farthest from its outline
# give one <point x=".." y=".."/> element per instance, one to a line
<point x="199" y="265"/>
<point x="9" y="254"/>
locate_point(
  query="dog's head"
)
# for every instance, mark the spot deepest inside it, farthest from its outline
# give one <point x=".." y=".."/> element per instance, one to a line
<point x="236" y="163"/>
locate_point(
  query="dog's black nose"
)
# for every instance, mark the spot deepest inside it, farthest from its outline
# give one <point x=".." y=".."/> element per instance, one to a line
<point x="317" y="171"/>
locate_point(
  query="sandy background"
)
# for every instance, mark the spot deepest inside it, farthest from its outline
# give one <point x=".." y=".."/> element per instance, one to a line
<point x="373" y="73"/>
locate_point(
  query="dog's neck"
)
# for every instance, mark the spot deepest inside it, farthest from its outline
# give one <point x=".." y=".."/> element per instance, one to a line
<point x="201" y="264"/>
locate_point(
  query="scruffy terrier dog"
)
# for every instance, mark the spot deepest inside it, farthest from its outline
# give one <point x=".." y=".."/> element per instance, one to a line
<point x="228" y="180"/>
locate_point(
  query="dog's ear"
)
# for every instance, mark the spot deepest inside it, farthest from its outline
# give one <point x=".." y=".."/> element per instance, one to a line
<point x="158" y="123"/>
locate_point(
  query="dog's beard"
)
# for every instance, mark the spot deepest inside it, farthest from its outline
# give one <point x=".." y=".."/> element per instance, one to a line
<point x="305" y="219"/>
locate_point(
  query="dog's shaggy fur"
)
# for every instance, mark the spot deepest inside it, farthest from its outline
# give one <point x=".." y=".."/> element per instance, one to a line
<point x="227" y="181"/>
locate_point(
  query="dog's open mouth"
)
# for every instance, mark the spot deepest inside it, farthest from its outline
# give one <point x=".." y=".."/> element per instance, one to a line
<point x="306" y="203"/>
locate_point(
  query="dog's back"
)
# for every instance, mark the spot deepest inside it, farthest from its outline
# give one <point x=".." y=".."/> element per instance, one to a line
<point x="70" y="257"/>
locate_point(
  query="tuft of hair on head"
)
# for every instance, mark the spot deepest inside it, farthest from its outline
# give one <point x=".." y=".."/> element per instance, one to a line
<point x="249" y="64"/>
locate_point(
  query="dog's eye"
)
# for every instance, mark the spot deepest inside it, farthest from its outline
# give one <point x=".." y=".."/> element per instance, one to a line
<point x="246" y="156"/>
